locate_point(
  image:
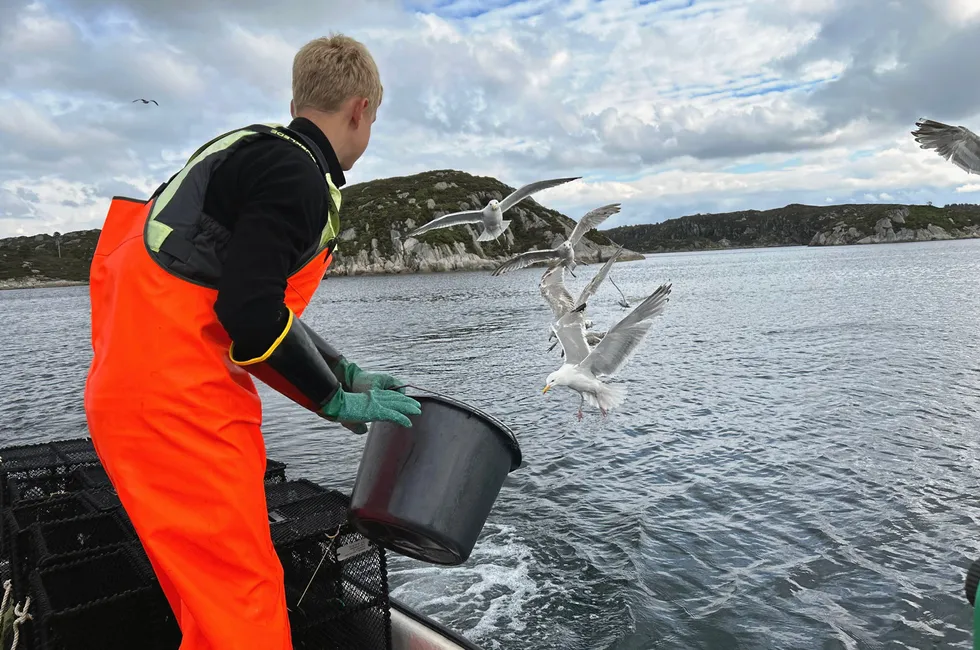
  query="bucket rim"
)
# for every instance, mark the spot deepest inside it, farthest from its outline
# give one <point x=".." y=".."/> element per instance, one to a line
<point x="517" y="456"/>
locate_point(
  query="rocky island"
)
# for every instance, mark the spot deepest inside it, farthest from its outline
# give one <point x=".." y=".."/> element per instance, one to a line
<point x="803" y="225"/>
<point x="375" y="219"/>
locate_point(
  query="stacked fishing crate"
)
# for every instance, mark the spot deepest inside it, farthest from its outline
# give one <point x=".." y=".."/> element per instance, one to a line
<point x="67" y="544"/>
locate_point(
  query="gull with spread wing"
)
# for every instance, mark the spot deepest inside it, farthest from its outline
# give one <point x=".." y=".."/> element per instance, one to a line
<point x="583" y="367"/>
<point x="553" y="290"/>
<point x="565" y="252"/>
<point x="957" y="144"/>
<point x="491" y="216"/>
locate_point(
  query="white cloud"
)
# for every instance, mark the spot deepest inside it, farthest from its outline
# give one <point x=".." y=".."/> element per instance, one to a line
<point x="671" y="107"/>
<point x="958" y="12"/>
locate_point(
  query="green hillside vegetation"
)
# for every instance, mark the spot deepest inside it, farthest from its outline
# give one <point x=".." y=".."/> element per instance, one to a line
<point x="793" y="225"/>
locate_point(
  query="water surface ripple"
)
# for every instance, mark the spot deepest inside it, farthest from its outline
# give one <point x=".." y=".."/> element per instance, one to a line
<point x="796" y="465"/>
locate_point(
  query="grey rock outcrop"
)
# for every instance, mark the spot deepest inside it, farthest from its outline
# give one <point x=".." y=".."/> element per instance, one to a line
<point x="885" y="233"/>
<point x="414" y="256"/>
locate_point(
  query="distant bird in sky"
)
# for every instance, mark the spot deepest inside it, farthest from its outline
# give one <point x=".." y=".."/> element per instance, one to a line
<point x="491" y="216"/>
<point x="957" y="144"/>
<point x="145" y="101"/>
<point x="564" y="253"/>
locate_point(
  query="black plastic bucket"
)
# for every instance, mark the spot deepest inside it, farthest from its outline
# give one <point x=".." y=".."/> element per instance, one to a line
<point x="426" y="491"/>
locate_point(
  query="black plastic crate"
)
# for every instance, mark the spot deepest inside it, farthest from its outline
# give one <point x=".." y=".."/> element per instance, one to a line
<point x="26" y="457"/>
<point x="91" y="476"/>
<point x="47" y="542"/>
<point x="25" y="463"/>
<point x="59" y="507"/>
<point x="103" y="499"/>
<point x="38" y="485"/>
<point x="64" y="506"/>
<point x="344" y="576"/>
<point x="345" y="606"/>
<point x="39" y="464"/>
<point x="104" y="601"/>
<point x="58" y="540"/>
<point x="279" y="494"/>
<point x="275" y="471"/>
<point x="311" y="517"/>
<point x="76" y="451"/>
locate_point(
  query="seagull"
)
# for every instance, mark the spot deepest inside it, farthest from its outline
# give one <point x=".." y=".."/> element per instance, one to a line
<point x="145" y="101"/>
<point x="490" y="216"/>
<point x="565" y="252"/>
<point x="552" y="287"/>
<point x="957" y="144"/>
<point x="583" y="367"/>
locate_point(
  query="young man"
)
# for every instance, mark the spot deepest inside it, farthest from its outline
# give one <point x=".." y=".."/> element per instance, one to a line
<point x="193" y="293"/>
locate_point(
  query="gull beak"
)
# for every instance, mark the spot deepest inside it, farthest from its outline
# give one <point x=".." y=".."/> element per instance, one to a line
<point x="545" y="389"/>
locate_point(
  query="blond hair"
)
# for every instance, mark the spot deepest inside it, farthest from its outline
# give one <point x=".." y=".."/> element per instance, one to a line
<point x="328" y="71"/>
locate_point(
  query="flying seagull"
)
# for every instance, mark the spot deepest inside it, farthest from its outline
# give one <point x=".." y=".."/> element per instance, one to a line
<point x="583" y="367"/>
<point x="552" y="287"/>
<point x="490" y="216"/>
<point x="565" y="252"/>
<point x="957" y="144"/>
<point x="145" y="101"/>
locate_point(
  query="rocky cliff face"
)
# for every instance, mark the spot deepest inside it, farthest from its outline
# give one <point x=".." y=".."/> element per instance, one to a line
<point x="891" y="229"/>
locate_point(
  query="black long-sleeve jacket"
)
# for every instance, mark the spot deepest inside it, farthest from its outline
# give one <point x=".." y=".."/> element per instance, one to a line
<point x="272" y="198"/>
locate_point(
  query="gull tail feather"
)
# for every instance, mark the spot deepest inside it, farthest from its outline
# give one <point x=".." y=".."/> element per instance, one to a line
<point x="489" y="235"/>
<point x="606" y="397"/>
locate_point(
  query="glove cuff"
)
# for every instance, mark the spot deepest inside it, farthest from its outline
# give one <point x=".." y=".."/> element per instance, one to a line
<point x="347" y="372"/>
<point x="332" y="408"/>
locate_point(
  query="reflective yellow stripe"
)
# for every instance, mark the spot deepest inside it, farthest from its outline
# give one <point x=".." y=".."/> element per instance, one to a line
<point x="156" y="232"/>
<point x="172" y="186"/>
<point x="332" y="229"/>
<point x="272" y="348"/>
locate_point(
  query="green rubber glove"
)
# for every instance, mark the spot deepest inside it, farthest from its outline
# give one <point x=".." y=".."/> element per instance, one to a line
<point x="354" y="409"/>
<point x="353" y="379"/>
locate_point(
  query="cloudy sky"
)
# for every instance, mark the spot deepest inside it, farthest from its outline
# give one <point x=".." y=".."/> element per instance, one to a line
<point x="670" y="106"/>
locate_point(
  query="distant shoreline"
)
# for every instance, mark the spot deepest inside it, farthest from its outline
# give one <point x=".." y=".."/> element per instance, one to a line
<point x="31" y="283"/>
<point x="744" y="247"/>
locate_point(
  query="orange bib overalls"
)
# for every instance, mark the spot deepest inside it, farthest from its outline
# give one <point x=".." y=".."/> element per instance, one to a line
<point x="175" y="423"/>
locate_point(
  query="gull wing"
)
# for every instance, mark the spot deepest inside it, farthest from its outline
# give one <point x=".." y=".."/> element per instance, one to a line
<point x="522" y="193"/>
<point x="622" y="339"/>
<point x="957" y="144"/>
<point x="592" y="219"/>
<point x="526" y="259"/>
<point x="594" y="283"/>
<point x="570" y="329"/>
<point x="448" y="220"/>
<point x="552" y="287"/>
